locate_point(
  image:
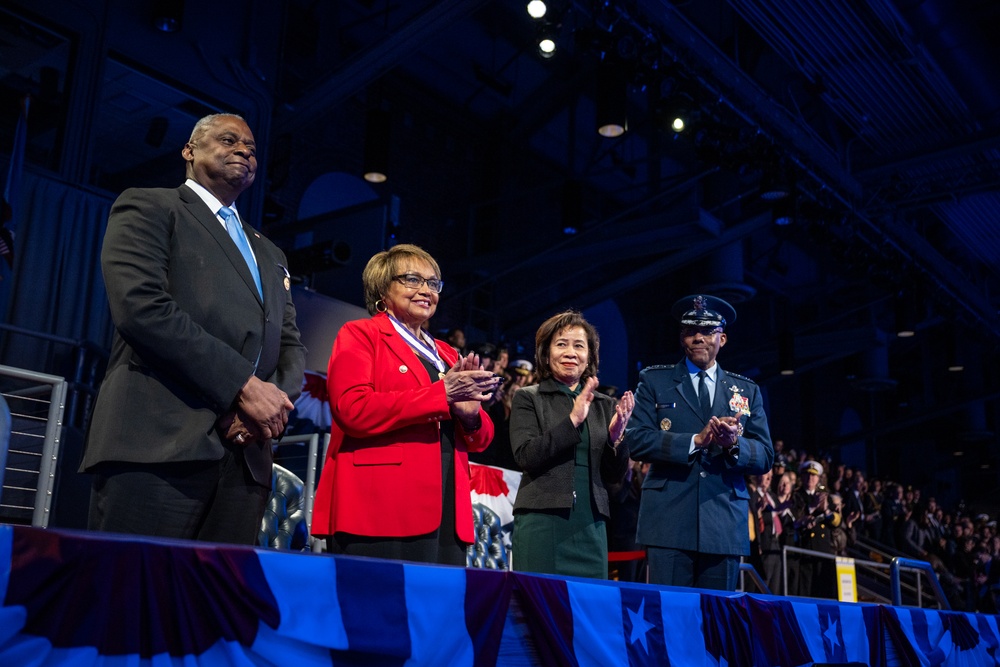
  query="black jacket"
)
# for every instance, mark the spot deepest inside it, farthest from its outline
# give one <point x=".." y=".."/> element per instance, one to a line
<point x="544" y="442"/>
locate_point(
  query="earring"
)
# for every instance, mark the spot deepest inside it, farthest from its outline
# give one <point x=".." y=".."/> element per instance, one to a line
<point x="380" y="306"/>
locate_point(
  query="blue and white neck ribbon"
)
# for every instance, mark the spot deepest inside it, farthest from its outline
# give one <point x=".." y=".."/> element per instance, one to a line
<point x="429" y="352"/>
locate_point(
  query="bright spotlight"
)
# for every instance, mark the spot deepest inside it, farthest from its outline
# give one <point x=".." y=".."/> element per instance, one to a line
<point x="536" y="9"/>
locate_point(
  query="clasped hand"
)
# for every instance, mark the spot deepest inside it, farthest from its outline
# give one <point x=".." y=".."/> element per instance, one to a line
<point x="261" y="413"/>
<point x="719" y="430"/>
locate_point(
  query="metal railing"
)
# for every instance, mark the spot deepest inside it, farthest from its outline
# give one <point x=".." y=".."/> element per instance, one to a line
<point x="748" y="570"/>
<point x="37" y="402"/>
<point x="87" y="364"/>
<point x="920" y="566"/>
<point x="894" y="570"/>
<point x="299" y="454"/>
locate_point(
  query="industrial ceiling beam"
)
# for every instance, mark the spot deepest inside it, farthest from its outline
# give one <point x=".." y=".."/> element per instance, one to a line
<point x="516" y="312"/>
<point x="372" y="63"/>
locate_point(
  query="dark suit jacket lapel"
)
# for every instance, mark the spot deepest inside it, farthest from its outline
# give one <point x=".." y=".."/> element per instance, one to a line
<point x="200" y="212"/>
<point x="684" y="386"/>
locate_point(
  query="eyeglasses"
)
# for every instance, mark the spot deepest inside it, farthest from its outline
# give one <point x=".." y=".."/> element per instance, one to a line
<point x="413" y="281"/>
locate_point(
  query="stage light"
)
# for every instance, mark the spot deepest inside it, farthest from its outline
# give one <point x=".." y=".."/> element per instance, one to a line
<point x="536" y="9"/>
<point x="775" y="184"/>
<point x="376" y="161"/>
<point x="783" y="212"/>
<point x="955" y="355"/>
<point x="572" y="206"/>
<point x="611" y="100"/>
<point x="786" y="353"/>
<point x="168" y="15"/>
<point x="678" y="111"/>
<point x="904" y="311"/>
<point x="547" y="40"/>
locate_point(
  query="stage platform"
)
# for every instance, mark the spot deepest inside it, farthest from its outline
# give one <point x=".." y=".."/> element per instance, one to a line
<point x="73" y="598"/>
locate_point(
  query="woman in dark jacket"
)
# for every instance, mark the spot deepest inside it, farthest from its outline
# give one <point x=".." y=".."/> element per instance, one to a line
<point x="567" y="438"/>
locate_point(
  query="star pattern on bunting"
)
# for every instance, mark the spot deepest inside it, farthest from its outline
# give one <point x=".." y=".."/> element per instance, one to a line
<point x="831" y="633"/>
<point x="640" y="626"/>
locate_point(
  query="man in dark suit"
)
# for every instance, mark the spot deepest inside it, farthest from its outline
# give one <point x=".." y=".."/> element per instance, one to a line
<point x="206" y="358"/>
<point x="702" y="429"/>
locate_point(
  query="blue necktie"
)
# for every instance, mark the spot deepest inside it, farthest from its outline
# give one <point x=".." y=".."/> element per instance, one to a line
<point x="235" y="230"/>
<point x="703" y="396"/>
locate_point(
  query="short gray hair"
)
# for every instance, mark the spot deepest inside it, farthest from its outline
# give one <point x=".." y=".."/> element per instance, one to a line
<point x="202" y="125"/>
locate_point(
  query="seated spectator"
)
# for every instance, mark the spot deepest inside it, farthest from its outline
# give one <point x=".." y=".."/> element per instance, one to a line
<point x="769" y="531"/>
<point x="917" y="539"/>
<point x="499" y="453"/>
<point x="814" y="520"/>
<point x="871" y="502"/>
<point x="784" y="512"/>
<point x="838" y="533"/>
<point x="624" y="498"/>
<point x="854" y="507"/>
<point x="893" y="516"/>
<point x="456" y="338"/>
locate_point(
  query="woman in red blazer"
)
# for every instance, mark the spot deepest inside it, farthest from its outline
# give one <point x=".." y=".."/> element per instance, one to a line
<point x="406" y="412"/>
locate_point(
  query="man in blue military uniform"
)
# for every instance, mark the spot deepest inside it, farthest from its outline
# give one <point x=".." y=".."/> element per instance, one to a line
<point x="702" y="429"/>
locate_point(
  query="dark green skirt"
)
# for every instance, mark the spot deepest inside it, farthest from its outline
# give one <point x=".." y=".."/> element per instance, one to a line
<point x="552" y="542"/>
<point x="569" y="542"/>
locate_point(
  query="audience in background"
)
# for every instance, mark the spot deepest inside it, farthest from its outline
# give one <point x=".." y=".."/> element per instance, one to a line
<point x="456" y="338"/>
<point x="815" y="519"/>
<point x="624" y="498"/>
<point x="887" y="514"/>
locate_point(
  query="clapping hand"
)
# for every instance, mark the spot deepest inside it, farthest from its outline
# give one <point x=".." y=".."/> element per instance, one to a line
<point x="467" y="381"/>
<point x="623" y="411"/>
<point x="467" y="385"/>
<point x="724" y="430"/>
<point x="581" y="405"/>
